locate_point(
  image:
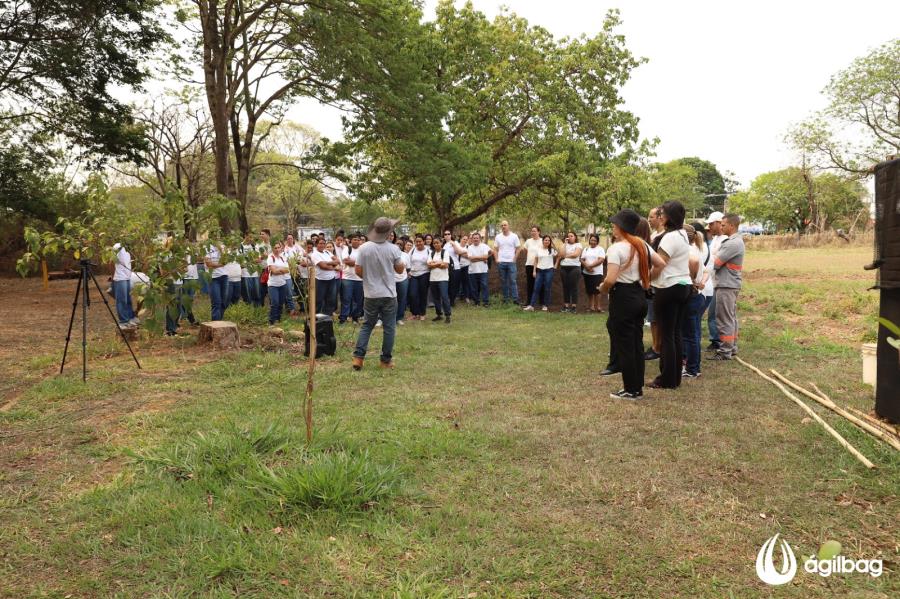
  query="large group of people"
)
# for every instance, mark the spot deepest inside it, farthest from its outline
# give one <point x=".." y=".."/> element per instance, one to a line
<point x="658" y="272"/>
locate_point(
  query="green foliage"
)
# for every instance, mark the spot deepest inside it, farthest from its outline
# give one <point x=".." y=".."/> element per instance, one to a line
<point x="863" y="103"/>
<point x="794" y="199"/>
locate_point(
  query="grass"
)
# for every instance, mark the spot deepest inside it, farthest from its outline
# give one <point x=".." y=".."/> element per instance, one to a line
<point x="490" y="463"/>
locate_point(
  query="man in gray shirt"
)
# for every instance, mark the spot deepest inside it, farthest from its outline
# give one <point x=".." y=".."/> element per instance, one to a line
<point x="729" y="266"/>
<point x="376" y="263"/>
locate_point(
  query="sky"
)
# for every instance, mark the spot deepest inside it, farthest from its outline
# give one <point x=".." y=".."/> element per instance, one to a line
<point x="724" y="80"/>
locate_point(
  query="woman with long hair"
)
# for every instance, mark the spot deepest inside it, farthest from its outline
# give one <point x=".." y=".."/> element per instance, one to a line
<point x="672" y="282"/>
<point x="439" y="282"/>
<point x="628" y="264"/>
<point x="699" y="301"/>
<point x="418" y="278"/>
<point x="570" y="263"/>
<point x="543" y="265"/>
<point x="592" y="259"/>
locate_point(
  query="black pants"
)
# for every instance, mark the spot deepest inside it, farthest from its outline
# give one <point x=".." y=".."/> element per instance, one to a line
<point x="627" y="309"/>
<point x="529" y="281"/>
<point x="570" y="284"/>
<point x="669" y="309"/>
<point x="455" y="275"/>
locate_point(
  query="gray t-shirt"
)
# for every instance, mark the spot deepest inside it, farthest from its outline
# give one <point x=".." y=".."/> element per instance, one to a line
<point x="377" y="261"/>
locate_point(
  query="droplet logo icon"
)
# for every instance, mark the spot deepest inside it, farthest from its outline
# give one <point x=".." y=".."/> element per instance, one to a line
<point x="765" y="568"/>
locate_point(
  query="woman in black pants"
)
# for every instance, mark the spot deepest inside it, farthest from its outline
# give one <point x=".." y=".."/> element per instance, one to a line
<point x="628" y="264"/>
<point x="570" y="263"/>
<point x="673" y="284"/>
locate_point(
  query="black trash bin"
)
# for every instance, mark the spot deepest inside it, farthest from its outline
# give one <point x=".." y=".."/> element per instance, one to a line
<point x="326" y="344"/>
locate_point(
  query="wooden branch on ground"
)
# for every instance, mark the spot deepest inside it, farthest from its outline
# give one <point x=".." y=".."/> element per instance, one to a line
<point x="313" y="322"/>
<point x="840" y="411"/>
<point x="865" y="461"/>
<point x="884" y="426"/>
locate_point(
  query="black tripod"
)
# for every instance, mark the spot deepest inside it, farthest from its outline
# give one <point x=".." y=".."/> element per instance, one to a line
<point x="82" y="291"/>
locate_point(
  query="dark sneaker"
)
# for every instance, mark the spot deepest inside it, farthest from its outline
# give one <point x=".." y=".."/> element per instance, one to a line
<point x="623" y="394"/>
<point x="720" y="357"/>
<point x="713" y="346"/>
<point x="609" y="372"/>
<point x="437" y="318"/>
<point x="689" y="375"/>
<point x="447" y="320"/>
<point x="651" y="355"/>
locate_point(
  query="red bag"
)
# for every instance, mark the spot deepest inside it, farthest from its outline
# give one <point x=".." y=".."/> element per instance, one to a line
<point x="264" y="277"/>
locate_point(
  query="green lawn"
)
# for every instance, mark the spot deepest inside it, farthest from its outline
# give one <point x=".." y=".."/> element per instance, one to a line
<point x="490" y="463"/>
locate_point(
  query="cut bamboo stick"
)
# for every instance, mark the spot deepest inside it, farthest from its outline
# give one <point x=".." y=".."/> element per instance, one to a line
<point x="825" y="401"/>
<point x="886" y="427"/>
<point x="863" y="459"/>
<point x="313" y="343"/>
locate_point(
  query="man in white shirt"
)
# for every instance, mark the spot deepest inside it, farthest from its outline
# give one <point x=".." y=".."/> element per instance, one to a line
<point x="122" y="287"/>
<point x="506" y="250"/>
<point x="715" y="239"/>
<point x="532" y="245"/>
<point x="478" y="253"/>
<point x="218" y="284"/>
<point x="352" y="287"/>
<point x="455" y="266"/>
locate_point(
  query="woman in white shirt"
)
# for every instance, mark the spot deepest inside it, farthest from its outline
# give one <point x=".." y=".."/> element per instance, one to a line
<point x="279" y="271"/>
<point x="592" y="270"/>
<point x="532" y="245"/>
<point x="543" y="267"/>
<point x="464" y="264"/>
<point x="402" y="279"/>
<point x="327" y="265"/>
<point x="672" y="284"/>
<point x="218" y="284"/>
<point x="570" y="261"/>
<point x="419" y="275"/>
<point x="699" y="301"/>
<point x="628" y="264"/>
<point x="439" y="281"/>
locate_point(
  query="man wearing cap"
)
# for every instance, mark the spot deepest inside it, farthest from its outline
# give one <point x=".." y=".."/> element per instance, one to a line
<point x="714" y="239"/>
<point x="376" y="262"/>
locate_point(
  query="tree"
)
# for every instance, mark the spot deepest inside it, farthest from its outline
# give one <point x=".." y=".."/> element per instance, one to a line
<point x="59" y="60"/>
<point x="520" y="112"/>
<point x="861" y="124"/>
<point x="711" y="183"/>
<point x="797" y="199"/>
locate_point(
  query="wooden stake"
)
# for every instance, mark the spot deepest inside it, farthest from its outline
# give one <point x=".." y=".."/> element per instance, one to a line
<point x="45" y="275"/>
<point x="884" y="426"/>
<point x="840" y="411"/>
<point x="865" y="461"/>
<point x="311" y="319"/>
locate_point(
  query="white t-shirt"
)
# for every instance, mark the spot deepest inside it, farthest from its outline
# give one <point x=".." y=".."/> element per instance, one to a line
<point x="440" y="274"/>
<point x="234" y="272"/>
<point x="247" y="248"/>
<point x="123" y="265"/>
<point x="478" y="251"/>
<point x="532" y="246"/>
<point x="677" y="271"/>
<point x="545" y="260"/>
<point x="280" y="262"/>
<point x="506" y="247"/>
<point x="418" y="261"/>
<point x="592" y="254"/>
<point x="191" y="274"/>
<point x="709" y="267"/>
<point x="303" y="270"/>
<point x="214" y="255"/>
<point x="620" y="253"/>
<point x="715" y="243"/>
<point x="450" y="251"/>
<point x="402" y="276"/>
<point x="291" y="251"/>
<point x="321" y="273"/>
<point x="350" y="271"/>
<point x="568" y="248"/>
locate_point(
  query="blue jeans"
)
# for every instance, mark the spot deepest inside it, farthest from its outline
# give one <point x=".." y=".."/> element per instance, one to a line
<point x="375" y="308"/>
<point x="174" y="309"/>
<point x="543" y="284"/>
<point x="186" y="306"/>
<point x="218" y="297"/>
<point x="478" y="287"/>
<point x="440" y="291"/>
<point x="277" y="298"/>
<point x="402" y="294"/>
<point x="418" y="294"/>
<point x="250" y="290"/>
<point x="122" y="291"/>
<point x="464" y="283"/>
<point x="691" y="333"/>
<point x="711" y="322"/>
<point x="289" y="294"/>
<point x="351" y="300"/>
<point x="508" y="282"/>
<point x="204" y="284"/>
<point x="326" y="296"/>
<point x="234" y="293"/>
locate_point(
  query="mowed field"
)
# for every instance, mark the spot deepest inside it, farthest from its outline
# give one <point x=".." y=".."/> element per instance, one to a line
<point x="490" y="463"/>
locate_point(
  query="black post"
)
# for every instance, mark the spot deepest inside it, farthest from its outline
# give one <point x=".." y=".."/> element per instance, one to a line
<point x="86" y="301"/>
<point x="71" y="322"/>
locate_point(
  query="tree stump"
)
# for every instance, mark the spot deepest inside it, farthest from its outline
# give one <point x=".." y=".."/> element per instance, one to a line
<point x="221" y="333"/>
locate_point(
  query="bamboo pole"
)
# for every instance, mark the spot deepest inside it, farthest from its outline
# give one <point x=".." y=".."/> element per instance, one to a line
<point x="839" y="411"/>
<point x="884" y="426"/>
<point x="865" y="461"/>
<point x="311" y="319"/>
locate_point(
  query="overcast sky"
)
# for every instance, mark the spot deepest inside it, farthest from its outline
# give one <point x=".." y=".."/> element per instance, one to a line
<point x="725" y="79"/>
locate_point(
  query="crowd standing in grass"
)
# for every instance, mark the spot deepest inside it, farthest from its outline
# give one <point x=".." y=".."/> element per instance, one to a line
<point x="659" y="272"/>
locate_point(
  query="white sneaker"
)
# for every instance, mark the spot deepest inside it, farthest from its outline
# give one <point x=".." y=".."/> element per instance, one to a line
<point x="528" y="308"/>
<point x="378" y="324"/>
<point x="545" y="309"/>
<point x="135" y="321"/>
<point x="400" y="322"/>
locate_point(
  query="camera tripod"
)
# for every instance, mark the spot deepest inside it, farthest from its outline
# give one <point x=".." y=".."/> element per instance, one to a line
<point x="82" y="291"/>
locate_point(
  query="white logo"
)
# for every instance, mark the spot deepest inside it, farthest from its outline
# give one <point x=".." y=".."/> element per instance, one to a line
<point x="765" y="569"/>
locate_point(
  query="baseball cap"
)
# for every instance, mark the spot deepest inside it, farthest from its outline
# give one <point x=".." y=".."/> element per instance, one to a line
<point x="714" y="217"/>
